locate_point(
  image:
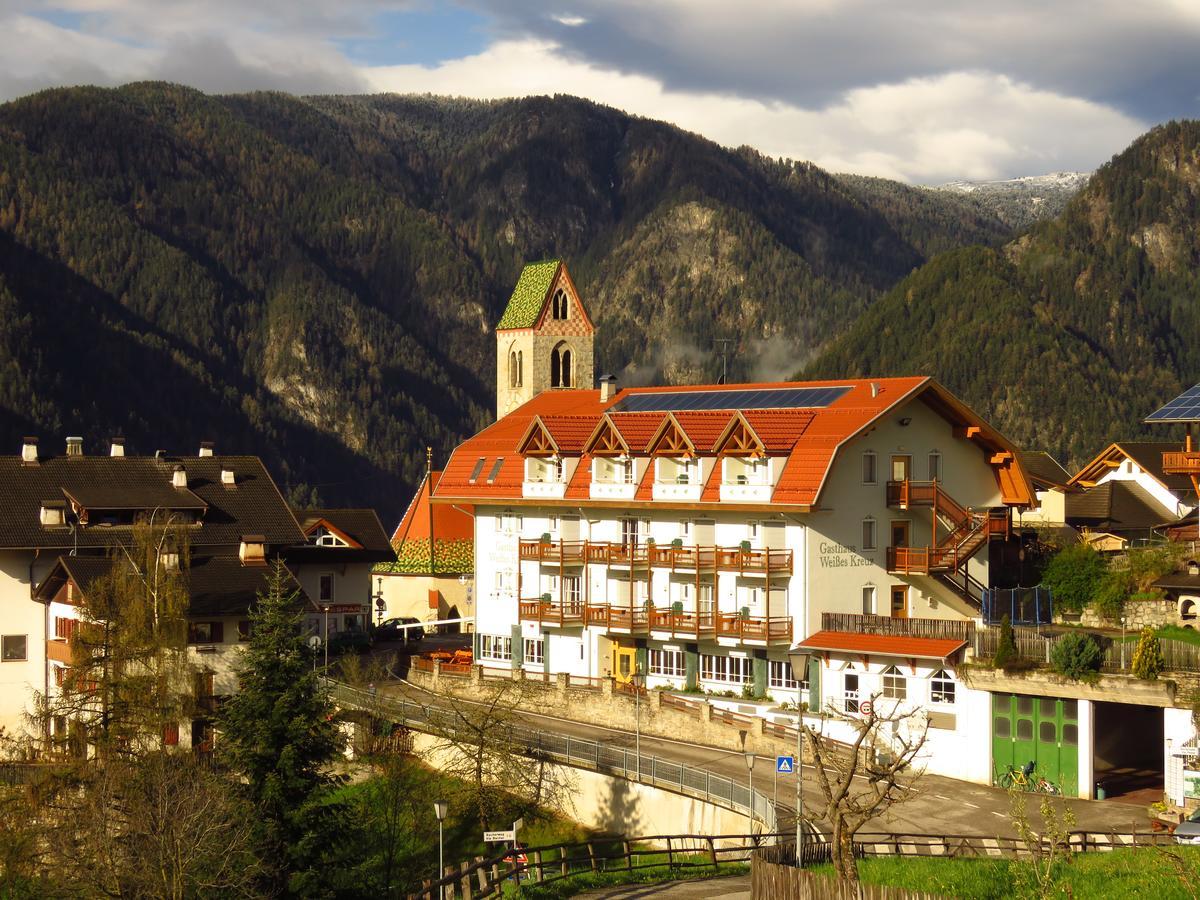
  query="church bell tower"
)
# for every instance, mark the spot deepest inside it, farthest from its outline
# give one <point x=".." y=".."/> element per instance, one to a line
<point x="544" y="340"/>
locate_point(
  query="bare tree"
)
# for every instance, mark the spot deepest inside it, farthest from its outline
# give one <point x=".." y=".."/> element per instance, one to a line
<point x="1047" y="848"/>
<point x="866" y="778"/>
<point x="475" y="743"/>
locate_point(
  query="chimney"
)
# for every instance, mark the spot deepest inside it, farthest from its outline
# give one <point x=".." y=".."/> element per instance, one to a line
<point x="179" y="477"/>
<point x="116" y="447"/>
<point x="206" y="448"/>
<point x="874" y="388"/>
<point x="228" y="478"/>
<point x="253" y="550"/>
<point x="608" y="387"/>
<point x="74" y="446"/>
<point x="29" y="450"/>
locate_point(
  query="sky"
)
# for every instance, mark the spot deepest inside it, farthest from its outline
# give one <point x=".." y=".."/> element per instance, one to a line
<point x="923" y="91"/>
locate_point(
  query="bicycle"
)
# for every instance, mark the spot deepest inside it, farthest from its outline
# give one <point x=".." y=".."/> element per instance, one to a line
<point x="1016" y="778"/>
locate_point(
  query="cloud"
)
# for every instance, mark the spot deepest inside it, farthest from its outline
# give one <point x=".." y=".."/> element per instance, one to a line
<point x="975" y="125"/>
<point x="1138" y="57"/>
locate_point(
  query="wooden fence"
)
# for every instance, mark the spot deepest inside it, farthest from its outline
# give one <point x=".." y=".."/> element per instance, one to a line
<point x="922" y="628"/>
<point x="1037" y="645"/>
<point x="772" y="857"/>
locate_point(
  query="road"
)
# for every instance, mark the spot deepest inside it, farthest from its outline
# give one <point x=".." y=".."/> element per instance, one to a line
<point x="939" y="805"/>
<point x="733" y="887"/>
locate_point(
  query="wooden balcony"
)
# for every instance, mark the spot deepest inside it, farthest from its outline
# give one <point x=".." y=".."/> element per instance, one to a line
<point x="548" y="613"/>
<point x="618" y="618"/>
<point x="681" y="623"/>
<point x="1182" y="462"/>
<point x="743" y="560"/>
<point x="755" y="629"/>
<point x="567" y="553"/>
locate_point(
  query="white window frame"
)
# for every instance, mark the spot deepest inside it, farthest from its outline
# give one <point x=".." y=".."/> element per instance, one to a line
<point x="870" y="600"/>
<point x="4" y="651"/>
<point x="667" y="663"/>
<point x="321" y="585"/>
<point x="894" y="683"/>
<point x="737" y="670"/>
<point x="934" y="465"/>
<point x="780" y="677"/>
<point x="870" y="533"/>
<point x="534" y="651"/>
<point x="943" y="689"/>
<point x="495" y="647"/>
<point x="870" y="467"/>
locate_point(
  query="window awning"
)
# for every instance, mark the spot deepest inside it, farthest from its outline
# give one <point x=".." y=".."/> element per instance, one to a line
<point x="884" y="645"/>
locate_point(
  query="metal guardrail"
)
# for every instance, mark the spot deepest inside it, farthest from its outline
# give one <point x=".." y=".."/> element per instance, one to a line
<point x="581" y="753"/>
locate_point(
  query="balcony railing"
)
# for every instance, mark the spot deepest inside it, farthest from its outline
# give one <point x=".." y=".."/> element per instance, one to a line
<point x="549" y="613"/>
<point x="1182" y="462"/>
<point x="689" y="623"/>
<point x="742" y="560"/>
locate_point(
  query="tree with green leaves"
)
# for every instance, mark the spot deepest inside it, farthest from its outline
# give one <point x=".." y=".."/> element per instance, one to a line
<point x="129" y="681"/>
<point x="1077" y="656"/>
<point x="1148" y="660"/>
<point x="279" y="732"/>
<point x="1006" y="649"/>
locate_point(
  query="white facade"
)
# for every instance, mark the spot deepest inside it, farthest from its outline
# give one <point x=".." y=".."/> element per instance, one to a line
<point x="22" y="639"/>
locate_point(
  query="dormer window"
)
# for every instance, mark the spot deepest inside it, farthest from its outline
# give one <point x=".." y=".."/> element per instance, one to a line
<point x="323" y="537"/>
<point x="53" y="513"/>
<point x="548" y="470"/>
<point x="253" y="550"/>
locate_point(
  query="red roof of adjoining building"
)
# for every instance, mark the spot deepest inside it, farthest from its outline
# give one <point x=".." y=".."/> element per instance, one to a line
<point x="449" y="523"/>
<point x="884" y="644"/>
<point x="703" y="427"/>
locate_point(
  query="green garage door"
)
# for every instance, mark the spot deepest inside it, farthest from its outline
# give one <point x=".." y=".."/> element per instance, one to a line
<point x="1042" y="729"/>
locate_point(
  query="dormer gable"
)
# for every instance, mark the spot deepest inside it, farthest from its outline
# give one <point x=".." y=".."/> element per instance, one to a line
<point x="538" y="441"/>
<point x="607" y="440"/>
<point x="671" y="440"/>
<point x="740" y="439"/>
<point x="323" y="533"/>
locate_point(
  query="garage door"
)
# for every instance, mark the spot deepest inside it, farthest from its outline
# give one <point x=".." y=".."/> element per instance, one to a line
<point x="1044" y="730"/>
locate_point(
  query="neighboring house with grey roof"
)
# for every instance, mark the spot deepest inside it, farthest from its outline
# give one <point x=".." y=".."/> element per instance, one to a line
<point x="1050" y="481"/>
<point x="64" y="516"/>
<point x="1140" y="462"/>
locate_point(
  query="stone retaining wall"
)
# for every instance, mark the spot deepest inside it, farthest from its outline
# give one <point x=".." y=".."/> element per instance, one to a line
<point x="606" y="706"/>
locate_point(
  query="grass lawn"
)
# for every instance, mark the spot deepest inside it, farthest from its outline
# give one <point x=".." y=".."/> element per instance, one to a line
<point x="1164" y="873"/>
<point x="575" y="884"/>
<point x="417" y="831"/>
<point x="1166" y="633"/>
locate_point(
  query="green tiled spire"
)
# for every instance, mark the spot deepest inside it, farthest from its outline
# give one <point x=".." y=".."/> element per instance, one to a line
<point x="529" y="295"/>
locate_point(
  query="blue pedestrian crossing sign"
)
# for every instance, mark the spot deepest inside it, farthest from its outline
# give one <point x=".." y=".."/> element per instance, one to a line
<point x="785" y="764"/>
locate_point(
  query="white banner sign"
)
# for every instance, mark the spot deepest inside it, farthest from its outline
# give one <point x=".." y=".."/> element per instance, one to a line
<point x="490" y="837"/>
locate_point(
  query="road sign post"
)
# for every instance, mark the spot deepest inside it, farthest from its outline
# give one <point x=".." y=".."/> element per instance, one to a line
<point x="495" y="837"/>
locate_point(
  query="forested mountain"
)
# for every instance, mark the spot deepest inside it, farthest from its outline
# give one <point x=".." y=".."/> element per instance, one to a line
<point x="1069" y="335"/>
<point x="1019" y="202"/>
<point x="316" y="279"/>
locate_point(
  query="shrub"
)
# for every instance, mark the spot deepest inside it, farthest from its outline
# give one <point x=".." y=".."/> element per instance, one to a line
<point x="1073" y="576"/>
<point x="1077" y="656"/>
<point x="1006" y="651"/>
<point x="1148" y="659"/>
<point x="1148" y="564"/>
<point x="1111" y="593"/>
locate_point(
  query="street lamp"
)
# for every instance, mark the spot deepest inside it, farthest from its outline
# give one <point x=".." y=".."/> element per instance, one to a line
<point x="637" y="679"/>
<point x="325" y="610"/>
<point x="799" y="659"/>
<point x="439" y="810"/>
<point x="750" y="768"/>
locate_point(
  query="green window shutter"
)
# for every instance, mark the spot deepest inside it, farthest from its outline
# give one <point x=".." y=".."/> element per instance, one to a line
<point x="518" y="647"/>
<point x="545" y="653"/>
<point x="643" y="658"/>
<point x="759" y="672"/>
<point x="814" y="685"/>
<point x="691" y="666"/>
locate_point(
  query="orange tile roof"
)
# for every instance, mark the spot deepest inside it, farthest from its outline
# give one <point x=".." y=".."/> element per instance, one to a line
<point x="570" y="433"/>
<point x="580" y="487"/>
<point x="449" y="523"/>
<point x="884" y="644"/>
<point x="811" y="437"/>
<point x="637" y="428"/>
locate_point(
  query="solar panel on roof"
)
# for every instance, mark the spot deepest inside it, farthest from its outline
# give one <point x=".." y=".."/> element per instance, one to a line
<point x="1184" y="408"/>
<point x="762" y="398"/>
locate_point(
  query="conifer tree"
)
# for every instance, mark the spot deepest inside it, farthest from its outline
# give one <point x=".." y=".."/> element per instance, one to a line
<point x="1148" y="659"/>
<point x="278" y="731"/>
<point x="1006" y="649"/>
